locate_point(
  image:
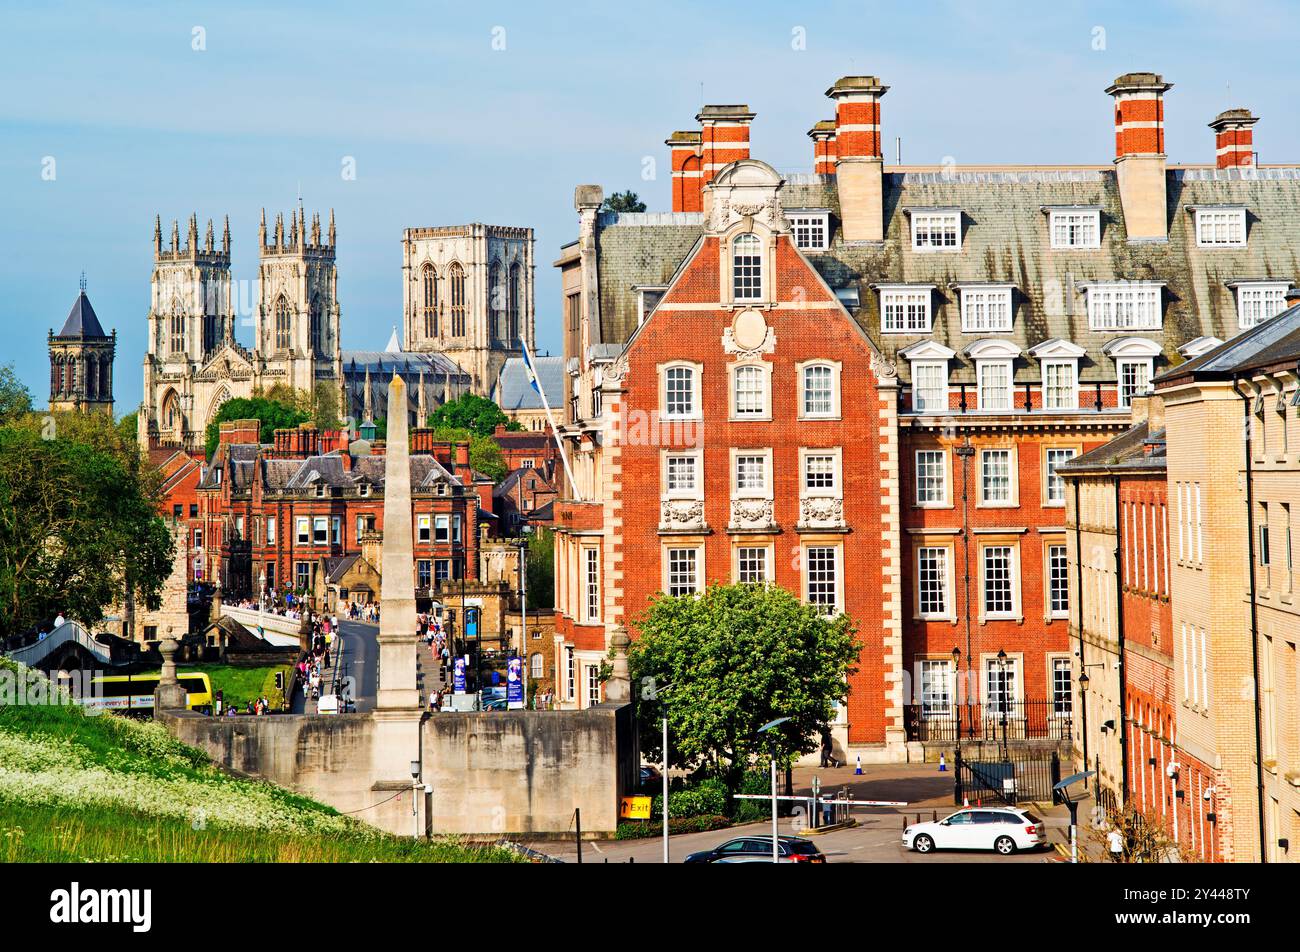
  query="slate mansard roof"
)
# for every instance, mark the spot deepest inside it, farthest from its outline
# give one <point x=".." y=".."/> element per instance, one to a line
<point x="515" y="392"/>
<point x="1005" y="239"/>
<point x="239" y="460"/>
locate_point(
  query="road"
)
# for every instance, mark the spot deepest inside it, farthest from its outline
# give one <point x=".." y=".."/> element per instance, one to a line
<point x="359" y="661"/>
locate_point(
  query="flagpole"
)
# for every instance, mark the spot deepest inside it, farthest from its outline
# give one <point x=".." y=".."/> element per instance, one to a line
<point x="555" y="433"/>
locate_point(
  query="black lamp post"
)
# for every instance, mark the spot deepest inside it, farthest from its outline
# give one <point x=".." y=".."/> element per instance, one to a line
<point x="1002" y="692"/>
<point x="956" y="692"/>
<point x="1083" y="730"/>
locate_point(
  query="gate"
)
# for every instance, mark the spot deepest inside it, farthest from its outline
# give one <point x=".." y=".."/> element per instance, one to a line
<point x="1006" y="781"/>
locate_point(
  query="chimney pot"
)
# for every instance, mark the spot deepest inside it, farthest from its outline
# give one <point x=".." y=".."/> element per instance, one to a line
<point x="1234" y="139"/>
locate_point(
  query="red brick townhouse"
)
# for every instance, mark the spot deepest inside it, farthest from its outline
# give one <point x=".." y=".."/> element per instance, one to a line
<point x="1016" y="312"/>
<point x="274" y="514"/>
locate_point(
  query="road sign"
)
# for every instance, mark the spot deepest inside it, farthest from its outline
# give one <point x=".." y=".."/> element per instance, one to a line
<point x="634" y="808"/>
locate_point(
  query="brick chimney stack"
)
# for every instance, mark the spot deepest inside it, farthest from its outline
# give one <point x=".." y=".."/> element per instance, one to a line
<point x="687" y="156"/>
<point x="1140" y="153"/>
<point x="859" y="162"/>
<point x="824" y="149"/>
<point x="724" y="137"/>
<point x="1234" y="140"/>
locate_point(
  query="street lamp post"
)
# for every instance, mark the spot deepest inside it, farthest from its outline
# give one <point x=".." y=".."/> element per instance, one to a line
<point x="956" y="693"/>
<point x="776" y="842"/>
<point x="1002" y="692"/>
<point x="415" y="788"/>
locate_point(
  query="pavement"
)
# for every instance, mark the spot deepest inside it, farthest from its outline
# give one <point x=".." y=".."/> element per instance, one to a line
<point x="876" y="837"/>
<point x="354" y="653"/>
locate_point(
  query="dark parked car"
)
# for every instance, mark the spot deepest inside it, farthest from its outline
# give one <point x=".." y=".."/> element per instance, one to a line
<point x="758" y="849"/>
<point x="650" y="777"/>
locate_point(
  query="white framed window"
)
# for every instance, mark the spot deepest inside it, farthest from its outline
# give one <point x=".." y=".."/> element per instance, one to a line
<point x="536" y="666"/>
<point x="905" y="309"/>
<point x="1058" y="582"/>
<point x="930" y="386"/>
<point x="681" y="392"/>
<point x="811" y="230"/>
<point x="683" y="577"/>
<point x="932" y="587"/>
<point x="591" y="584"/>
<point x="1134" y="378"/>
<point x="998" y="581"/>
<point x="932" y="477"/>
<point x="441" y="528"/>
<point x="1060" y="385"/>
<point x="997" y="477"/>
<point x="821" y="473"/>
<point x="1054" y="485"/>
<point x="423" y="528"/>
<point x="681" y="475"/>
<point x="320" y="530"/>
<point x="994" y="383"/>
<point x="753" y="565"/>
<point x="822" y="578"/>
<point x="270" y="530"/>
<point x="1001" y="686"/>
<point x="1220" y="227"/>
<point x="938" y="230"/>
<point x="593" y="684"/>
<point x="1257" y="301"/>
<point x="819" y="390"/>
<point x="1062" y="687"/>
<point x="985" y="309"/>
<point x="749" y="383"/>
<point x="752" y="473"/>
<point x="747" y="268"/>
<point x="302" y="530"/>
<point x="570" y="673"/>
<point x="1125" y="306"/>
<point x="1075" y="227"/>
<point x="936" y="680"/>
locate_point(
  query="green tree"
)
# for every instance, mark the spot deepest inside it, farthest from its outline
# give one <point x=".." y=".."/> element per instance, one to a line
<point x="737" y="657"/>
<point x="484" y="453"/>
<point x="623" y="202"/>
<point x="76" y="522"/>
<point x="540" y="568"/>
<point x="127" y="428"/>
<point x="324" y="408"/>
<point x="471" y="412"/>
<point x="274" y="414"/>
<point x="15" y="398"/>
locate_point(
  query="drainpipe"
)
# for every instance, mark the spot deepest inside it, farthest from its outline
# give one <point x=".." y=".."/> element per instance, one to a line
<point x="1254" y="609"/>
<point x="1119" y="636"/>
<point x="966" y="451"/>
<point x="1078" y="561"/>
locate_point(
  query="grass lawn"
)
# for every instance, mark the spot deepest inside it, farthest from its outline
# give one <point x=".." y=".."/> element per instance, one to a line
<point x="75" y="787"/>
<point x="242" y="685"/>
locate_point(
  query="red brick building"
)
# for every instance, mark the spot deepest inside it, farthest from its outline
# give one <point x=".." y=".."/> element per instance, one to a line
<point x="273" y="516"/>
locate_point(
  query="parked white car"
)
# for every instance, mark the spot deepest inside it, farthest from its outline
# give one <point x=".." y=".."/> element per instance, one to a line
<point x="1001" y="829"/>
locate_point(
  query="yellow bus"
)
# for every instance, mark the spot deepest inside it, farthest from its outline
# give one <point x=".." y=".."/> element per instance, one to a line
<point x="134" y="692"/>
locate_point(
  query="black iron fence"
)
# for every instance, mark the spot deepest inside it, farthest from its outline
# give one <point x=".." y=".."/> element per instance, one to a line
<point x="1012" y="721"/>
<point x="1013" y="781"/>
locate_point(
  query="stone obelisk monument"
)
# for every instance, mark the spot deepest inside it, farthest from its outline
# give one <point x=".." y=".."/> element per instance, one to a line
<point x="397" y="621"/>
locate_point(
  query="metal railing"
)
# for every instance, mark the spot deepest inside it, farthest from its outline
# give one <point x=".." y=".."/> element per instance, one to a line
<point x="1011" y="720"/>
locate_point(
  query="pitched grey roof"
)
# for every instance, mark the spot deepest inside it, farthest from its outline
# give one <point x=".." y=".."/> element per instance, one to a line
<point x="1137" y="448"/>
<point x="1270" y="342"/>
<point x="514" y="392"/>
<point x="82" y="321"/>
<point x="1005" y="239"/>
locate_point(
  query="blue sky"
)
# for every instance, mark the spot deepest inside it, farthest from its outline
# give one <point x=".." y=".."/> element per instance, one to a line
<point x="444" y="128"/>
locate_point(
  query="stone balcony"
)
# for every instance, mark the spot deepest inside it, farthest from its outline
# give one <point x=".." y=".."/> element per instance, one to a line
<point x="821" y="512"/>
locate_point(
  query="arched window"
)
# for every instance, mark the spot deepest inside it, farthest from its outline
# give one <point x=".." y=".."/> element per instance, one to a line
<point x="177" y="336"/>
<point x="106" y="378"/>
<point x="536" y="666"/>
<point x="750" y="398"/>
<point x="283" y="324"/>
<point x="747" y="268"/>
<point x="429" y="286"/>
<point x="318" y="335"/>
<point x="92" y="378"/>
<point x="496" y="300"/>
<point x="457" y="278"/>
<point x="512" y="306"/>
<point x="679" y="392"/>
<point x="819" y="390"/>
<point x="54" y="375"/>
<point x="172" y="412"/>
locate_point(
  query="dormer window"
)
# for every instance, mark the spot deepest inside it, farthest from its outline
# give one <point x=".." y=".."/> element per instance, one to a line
<point x="905" y="308"/>
<point x="320" y="490"/>
<point x="747" y="268"/>
<point x="1134" y="366"/>
<point x="811" y="229"/>
<point x="994" y="372"/>
<point x="985" y="308"/>
<point x="936" y="229"/>
<point x="363" y="489"/>
<point x="1221" y="227"/>
<point x="1125" y="306"/>
<point x="929" y="360"/>
<point x="1258" y="301"/>
<point x="1060" y="363"/>
<point x="1074" y="227"/>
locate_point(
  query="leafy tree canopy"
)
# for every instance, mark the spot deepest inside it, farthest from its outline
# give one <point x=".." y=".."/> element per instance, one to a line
<point x="127" y="429"/>
<point x="274" y="414"/>
<point x="484" y="453"/>
<point x="623" y="202"/>
<point x="471" y="412"/>
<point x="76" y="522"/>
<point x="737" y="657"/>
<point x="540" y="568"/>
<point x="15" y="398"/>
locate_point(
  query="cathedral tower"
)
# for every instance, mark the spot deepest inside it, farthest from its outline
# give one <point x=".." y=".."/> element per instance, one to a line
<point x="81" y="361"/>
